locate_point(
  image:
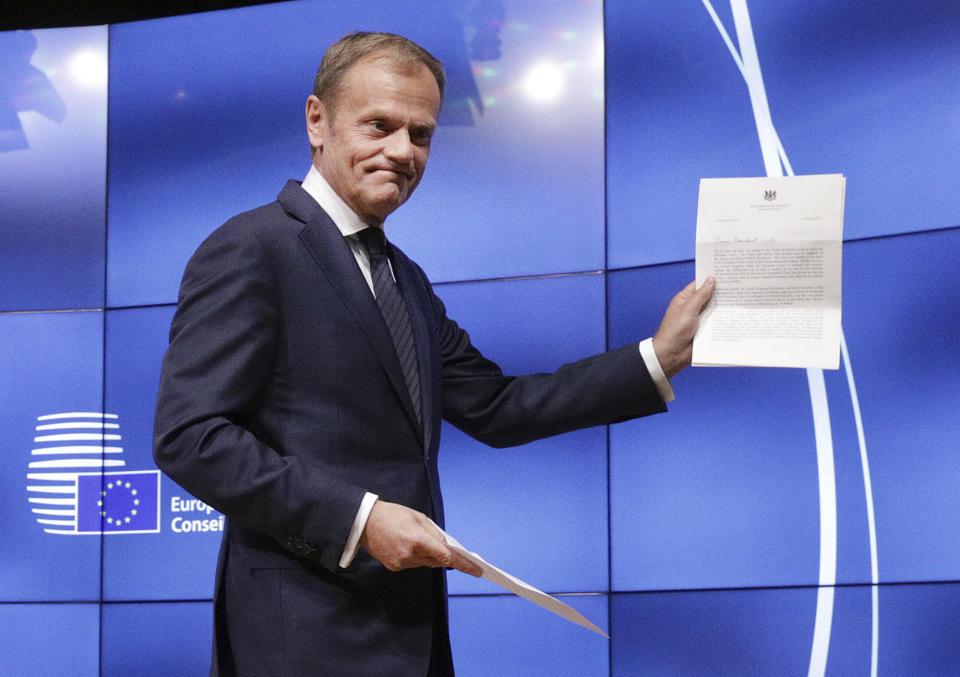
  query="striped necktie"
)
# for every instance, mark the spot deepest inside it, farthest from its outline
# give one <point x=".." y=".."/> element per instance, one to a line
<point x="394" y="311"/>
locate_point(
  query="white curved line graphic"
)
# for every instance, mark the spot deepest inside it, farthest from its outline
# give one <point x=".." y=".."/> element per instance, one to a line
<point x="827" y="483"/>
<point x="771" y="147"/>
<point x="77" y="449"/>
<point x="771" y="150"/>
<point x="78" y="463"/>
<point x="53" y="489"/>
<point x="52" y="501"/>
<point x="871" y="519"/>
<point x="77" y="424"/>
<point x="75" y="414"/>
<point x="76" y="437"/>
<point x="62" y="523"/>
<point x="53" y="476"/>
<point x="55" y="512"/>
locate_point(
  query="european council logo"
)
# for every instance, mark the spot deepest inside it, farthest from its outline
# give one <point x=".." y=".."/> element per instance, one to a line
<point x="75" y="485"/>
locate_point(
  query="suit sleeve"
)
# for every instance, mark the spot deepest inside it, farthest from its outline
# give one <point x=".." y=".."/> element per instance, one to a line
<point x="504" y="410"/>
<point x="216" y="373"/>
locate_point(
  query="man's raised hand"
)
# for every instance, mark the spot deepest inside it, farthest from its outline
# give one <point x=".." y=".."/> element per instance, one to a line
<point x="673" y="342"/>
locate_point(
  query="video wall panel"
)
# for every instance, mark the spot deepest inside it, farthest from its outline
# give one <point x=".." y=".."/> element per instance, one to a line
<point x="863" y="89"/>
<point x="51" y="383"/>
<point x="740" y="632"/>
<point x="919" y="629"/>
<point x="50" y="639"/>
<point x="902" y="322"/>
<point x="53" y="126"/>
<point x="173" y="554"/>
<point x="770" y="632"/>
<point x="723" y="491"/>
<point x="160" y="639"/>
<point x="510" y="637"/>
<point x="545" y="501"/>
<point x="699" y="530"/>
<point x="209" y="122"/>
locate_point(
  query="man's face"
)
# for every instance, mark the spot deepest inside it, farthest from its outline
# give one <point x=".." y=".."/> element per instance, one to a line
<point x="374" y="148"/>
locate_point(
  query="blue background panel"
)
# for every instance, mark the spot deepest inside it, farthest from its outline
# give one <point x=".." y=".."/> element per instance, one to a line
<point x="209" y="122"/>
<point x="854" y="90"/>
<point x="770" y="632"/>
<point x="722" y="490"/>
<point x="530" y="325"/>
<point x="853" y="533"/>
<point x="53" y="125"/>
<point x="741" y="632"/>
<point x="538" y="511"/>
<point x="509" y="637"/>
<point x="171" y="564"/>
<point x="160" y="639"/>
<point x="919" y="625"/>
<point x="60" y="640"/>
<point x="521" y="191"/>
<point x="50" y="363"/>
<point x="870" y="94"/>
<point x="732" y="470"/>
<point x="902" y="323"/>
<point x="545" y="501"/>
<point x="677" y="110"/>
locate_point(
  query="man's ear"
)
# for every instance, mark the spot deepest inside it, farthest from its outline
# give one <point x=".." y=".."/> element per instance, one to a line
<point x="316" y="122"/>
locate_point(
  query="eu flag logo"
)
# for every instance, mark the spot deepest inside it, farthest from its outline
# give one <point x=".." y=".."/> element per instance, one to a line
<point x="113" y="502"/>
<point x="78" y="482"/>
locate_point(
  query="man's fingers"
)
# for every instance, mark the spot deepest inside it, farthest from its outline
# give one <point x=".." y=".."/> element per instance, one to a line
<point x="673" y="340"/>
<point x="449" y="558"/>
<point x="435" y="553"/>
<point x="461" y="563"/>
<point x="705" y="292"/>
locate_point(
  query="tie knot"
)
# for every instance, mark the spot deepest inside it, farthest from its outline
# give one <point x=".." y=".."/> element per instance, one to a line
<point x="374" y="240"/>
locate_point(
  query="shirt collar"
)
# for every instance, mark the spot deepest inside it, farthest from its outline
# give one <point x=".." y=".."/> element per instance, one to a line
<point x="345" y="218"/>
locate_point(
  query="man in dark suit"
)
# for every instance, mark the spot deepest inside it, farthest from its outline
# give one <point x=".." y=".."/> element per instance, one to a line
<point x="308" y="370"/>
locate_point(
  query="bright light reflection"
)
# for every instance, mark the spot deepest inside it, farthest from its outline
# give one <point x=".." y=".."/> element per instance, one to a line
<point x="89" y="69"/>
<point x="544" y="82"/>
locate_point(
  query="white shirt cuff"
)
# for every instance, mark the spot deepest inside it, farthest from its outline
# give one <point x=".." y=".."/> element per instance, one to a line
<point x="353" y="540"/>
<point x="660" y="379"/>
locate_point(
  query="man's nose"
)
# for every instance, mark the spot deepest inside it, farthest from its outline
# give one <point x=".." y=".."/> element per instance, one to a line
<point x="399" y="146"/>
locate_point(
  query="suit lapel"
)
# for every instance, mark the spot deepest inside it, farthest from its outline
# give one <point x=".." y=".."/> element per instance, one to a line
<point x="326" y="245"/>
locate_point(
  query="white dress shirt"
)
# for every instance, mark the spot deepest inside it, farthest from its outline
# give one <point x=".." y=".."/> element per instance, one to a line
<point x="350" y="224"/>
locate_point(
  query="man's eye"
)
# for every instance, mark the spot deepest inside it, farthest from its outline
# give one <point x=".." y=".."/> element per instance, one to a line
<point x="379" y="125"/>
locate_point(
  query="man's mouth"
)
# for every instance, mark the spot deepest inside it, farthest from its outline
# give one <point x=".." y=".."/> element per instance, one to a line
<point x="397" y="173"/>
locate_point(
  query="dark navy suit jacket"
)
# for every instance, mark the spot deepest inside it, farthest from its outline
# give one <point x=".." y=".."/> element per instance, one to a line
<point x="282" y="402"/>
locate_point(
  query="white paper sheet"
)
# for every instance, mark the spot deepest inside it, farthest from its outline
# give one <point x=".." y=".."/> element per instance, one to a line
<point x="774" y="245"/>
<point x="520" y="588"/>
